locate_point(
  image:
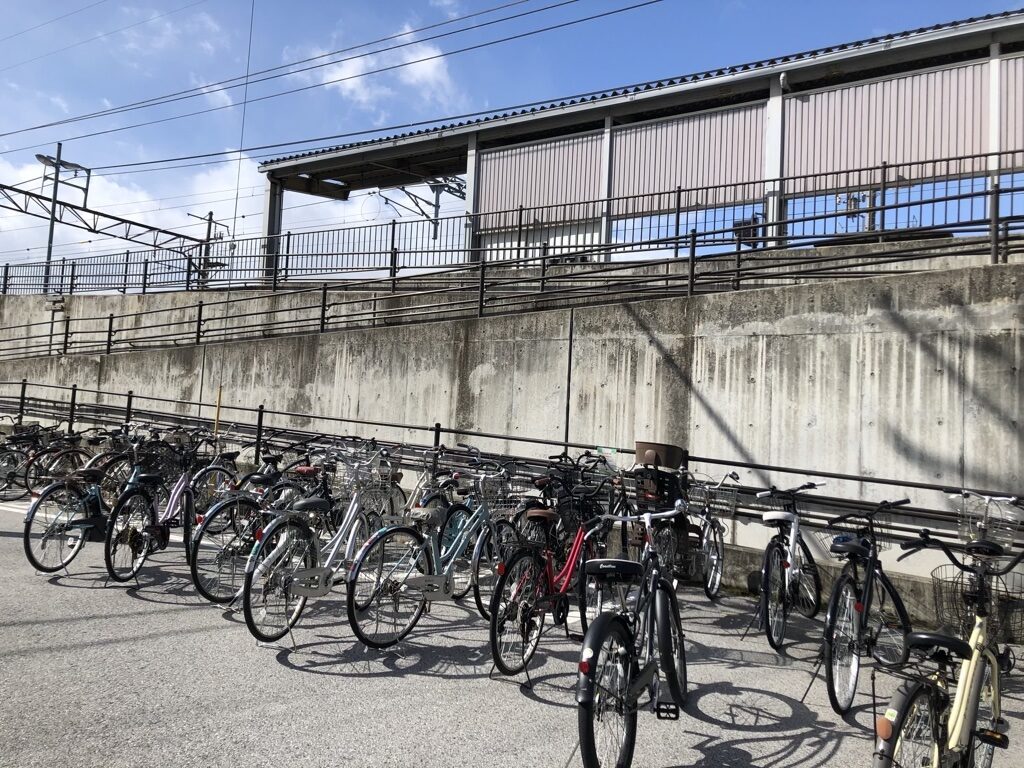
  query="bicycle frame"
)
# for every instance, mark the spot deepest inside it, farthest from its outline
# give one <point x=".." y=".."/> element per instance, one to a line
<point x="964" y="710"/>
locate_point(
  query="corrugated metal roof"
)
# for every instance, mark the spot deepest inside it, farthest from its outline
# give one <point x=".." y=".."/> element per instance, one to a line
<point x="656" y="85"/>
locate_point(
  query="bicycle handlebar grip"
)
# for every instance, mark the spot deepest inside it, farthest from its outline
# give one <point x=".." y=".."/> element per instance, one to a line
<point x="900" y="503"/>
<point x="763" y="494"/>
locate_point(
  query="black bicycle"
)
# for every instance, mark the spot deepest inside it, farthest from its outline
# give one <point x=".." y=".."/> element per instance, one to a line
<point x="865" y="614"/>
<point x="629" y="652"/>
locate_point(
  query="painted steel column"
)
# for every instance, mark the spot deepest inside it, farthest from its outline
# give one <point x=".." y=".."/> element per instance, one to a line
<point x="995" y="110"/>
<point x="774" y="138"/>
<point x="472" y="168"/>
<point x="273" y="208"/>
<point x="607" y="167"/>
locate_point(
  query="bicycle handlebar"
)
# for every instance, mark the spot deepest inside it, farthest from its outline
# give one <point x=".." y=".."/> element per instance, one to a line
<point x="927" y="541"/>
<point x="773" y="491"/>
<point x="880" y="507"/>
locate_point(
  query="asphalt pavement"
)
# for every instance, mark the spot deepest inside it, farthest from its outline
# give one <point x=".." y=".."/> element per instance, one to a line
<point x="151" y="675"/>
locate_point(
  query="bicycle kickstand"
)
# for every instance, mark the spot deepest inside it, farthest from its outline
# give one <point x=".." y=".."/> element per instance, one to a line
<point x="755" y="617"/>
<point x="817" y="669"/>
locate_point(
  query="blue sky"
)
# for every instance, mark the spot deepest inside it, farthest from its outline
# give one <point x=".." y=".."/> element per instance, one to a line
<point x="115" y="52"/>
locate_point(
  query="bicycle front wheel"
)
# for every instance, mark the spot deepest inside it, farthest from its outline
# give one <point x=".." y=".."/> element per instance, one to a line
<point x="912" y="741"/>
<point x="807" y="598"/>
<point x="842" y="660"/>
<point x="713" y="546"/>
<point x="12" y="481"/>
<point x="492" y="549"/>
<point x="51" y="538"/>
<point x="671" y="647"/>
<point x="222" y="544"/>
<point x="517" y="613"/>
<point x="386" y="595"/>
<point x="887" y="622"/>
<point x="607" y="723"/>
<point x="773" y="595"/>
<point x="270" y="607"/>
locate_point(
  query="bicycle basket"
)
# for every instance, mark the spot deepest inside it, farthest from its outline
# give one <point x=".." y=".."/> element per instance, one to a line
<point x="853" y="530"/>
<point x="954" y="603"/>
<point x="988" y="519"/>
<point x="652" y="489"/>
<point x="503" y="494"/>
<point x="707" y="500"/>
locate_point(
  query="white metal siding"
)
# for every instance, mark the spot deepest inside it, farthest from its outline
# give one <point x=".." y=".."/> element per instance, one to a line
<point x="721" y="147"/>
<point x="1012" y="107"/>
<point x="917" y="117"/>
<point x="543" y="173"/>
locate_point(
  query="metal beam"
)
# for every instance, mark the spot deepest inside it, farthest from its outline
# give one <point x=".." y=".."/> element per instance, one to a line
<point x="96" y="222"/>
<point x="311" y="185"/>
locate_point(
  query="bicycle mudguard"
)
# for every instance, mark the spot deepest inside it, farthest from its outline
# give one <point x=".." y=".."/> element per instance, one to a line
<point x="886" y="724"/>
<point x="357" y="557"/>
<point x="277" y="522"/>
<point x="588" y="654"/>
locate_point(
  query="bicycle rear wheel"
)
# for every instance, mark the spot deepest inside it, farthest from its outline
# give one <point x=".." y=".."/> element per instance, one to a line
<point x="912" y="742"/>
<point x="773" y="595"/>
<point x="887" y="622"/>
<point x="490" y="552"/>
<point x="842" y="659"/>
<point x="384" y="602"/>
<point x="516" y="619"/>
<point x="807" y="598"/>
<point x="51" y="540"/>
<point x="607" y="723"/>
<point x="12" y="481"/>
<point x="671" y="645"/>
<point x="127" y="543"/>
<point x="271" y="610"/>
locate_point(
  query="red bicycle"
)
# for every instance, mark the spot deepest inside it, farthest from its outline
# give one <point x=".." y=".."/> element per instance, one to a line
<point x="529" y="588"/>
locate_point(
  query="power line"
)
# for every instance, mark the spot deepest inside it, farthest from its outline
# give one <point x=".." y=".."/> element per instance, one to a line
<point x="51" y="21"/>
<point x="101" y="36"/>
<point x="392" y="67"/>
<point x="208" y="88"/>
<point x="245" y="102"/>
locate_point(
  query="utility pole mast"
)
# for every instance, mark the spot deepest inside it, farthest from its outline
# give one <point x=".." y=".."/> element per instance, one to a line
<point x="53" y="221"/>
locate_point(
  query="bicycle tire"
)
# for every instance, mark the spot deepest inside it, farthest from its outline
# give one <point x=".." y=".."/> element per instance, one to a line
<point x="809" y="587"/>
<point x="209" y="485"/>
<point x="981" y="754"/>
<point x="773" y="595"/>
<point x="221" y="548"/>
<point x="68" y="546"/>
<point x="605" y="647"/>
<point x="380" y="574"/>
<point x="12" y="485"/>
<point x="487" y="556"/>
<point x="713" y="547"/>
<point x="888" y="622"/>
<point x="671" y="644"/>
<point x="270" y="610"/>
<point x="515" y="626"/>
<point x="34" y="473"/>
<point x="126" y="535"/>
<point x="116" y="471"/>
<point x="841" y="656"/>
<point x="913" y="720"/>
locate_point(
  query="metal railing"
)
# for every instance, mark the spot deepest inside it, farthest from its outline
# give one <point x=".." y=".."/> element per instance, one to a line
<point x="80" y="406"/>
<point x="692" y="263"/>
<point x="887" y="201"/>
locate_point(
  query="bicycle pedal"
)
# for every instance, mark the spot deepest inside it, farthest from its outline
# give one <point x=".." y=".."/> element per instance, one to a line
<point x="666" y="710"/>
<point x="992" y="738"/>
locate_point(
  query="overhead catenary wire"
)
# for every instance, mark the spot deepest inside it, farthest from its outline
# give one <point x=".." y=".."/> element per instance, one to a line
<point x="206" y="89"/>
<point x="51" y="21"/>
<point x="347" y="78"/>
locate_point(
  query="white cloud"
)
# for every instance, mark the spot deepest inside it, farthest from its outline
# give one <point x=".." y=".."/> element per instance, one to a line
<point x="216" y="96"/>
<point x="450" y="7"/>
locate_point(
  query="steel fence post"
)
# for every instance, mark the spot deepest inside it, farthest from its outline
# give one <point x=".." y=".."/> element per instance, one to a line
<point x="21" y="401"/>
<point x="323" y="308"/>
<point x="199" y="323"/>
<point x="71" y="408"/>
<point x="128" y="408"/>
<point x="739" y="258"/>
<point x="693" y="262"/>
<point x="679" y="211"/>
<point x="127" y="263"/>
<point x="71" y="279"/>
<point x="993" y="217"/>
<point x="110" y="331"/>
<point x="259" y="434"/>
<point x="67" y="332"/>
<point x="480" y="302"/>
<point x="7" y="270"/>
<point x="519" y="236"/>
<point x="145" y="275"/>
<point x="882" y="190"/>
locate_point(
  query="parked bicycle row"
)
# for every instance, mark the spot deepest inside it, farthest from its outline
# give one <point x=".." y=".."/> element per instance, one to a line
<point x="573" y="544"/>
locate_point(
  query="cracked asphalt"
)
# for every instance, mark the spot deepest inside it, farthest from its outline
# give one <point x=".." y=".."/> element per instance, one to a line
<point x="150" y="675"/>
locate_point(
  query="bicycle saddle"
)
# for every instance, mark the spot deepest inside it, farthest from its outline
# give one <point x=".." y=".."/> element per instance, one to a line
<point x="311" y="505"/>
<point x="150" y="478"/>
<point x="229" y="455"/>
<point x="259" y="480"/>
<point x="853" y="547"/>
<point x="927" y="640"/>
<point x="614" y="569"/>
<point x="771" y="518"/>
<point x="89" y="475"/>
<point x="544" y="514"/>
<point x="269" y="458"/>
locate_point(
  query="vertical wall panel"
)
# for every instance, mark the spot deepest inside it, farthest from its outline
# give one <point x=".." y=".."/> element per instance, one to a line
<point x="1012" y="107"/>
<point x="901" y="120"/>
<point x="721" y="147"/>
<point x="543" y="173"/>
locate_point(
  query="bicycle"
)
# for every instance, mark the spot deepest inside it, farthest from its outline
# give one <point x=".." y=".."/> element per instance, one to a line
<point x="703" y="551"/>
<point x="529" y="587"/>
<point x="628" y="652"/>
<point x="924" y="724"/>
<point x="789" y="575"/>
<point x="141" y="520"/>
<point x="865" y="614"/>
<point x="288" y="564"/>
<point x="402" y="568"/>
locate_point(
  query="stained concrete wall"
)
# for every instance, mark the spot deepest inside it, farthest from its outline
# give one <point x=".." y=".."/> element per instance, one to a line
<point x="915" y="377"/>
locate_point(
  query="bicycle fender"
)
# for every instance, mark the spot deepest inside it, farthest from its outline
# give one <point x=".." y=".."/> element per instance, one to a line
<point x="884" y="748"/>
<point x="350" y="575"/>
<point x="588" y="653"/>
<point x="277" y="522"/>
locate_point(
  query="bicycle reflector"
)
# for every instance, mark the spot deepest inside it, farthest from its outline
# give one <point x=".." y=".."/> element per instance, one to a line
<point x="858" y="607"/>
<point x="883" y="727"/>
<point x="258" y="535"/>
<point x="585" y="667"/>
<point x="199" y="519"/>
<point x="501" y="568"/>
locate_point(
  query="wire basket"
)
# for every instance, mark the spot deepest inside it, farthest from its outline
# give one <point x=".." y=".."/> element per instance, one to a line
<point x="989" y="519"/>
<point x="711" y="501"/>
<point x="504" y="494"/>
<point x="651" y="490"/>
<point x="854" y="530"/>
<point x="955" y="598"/>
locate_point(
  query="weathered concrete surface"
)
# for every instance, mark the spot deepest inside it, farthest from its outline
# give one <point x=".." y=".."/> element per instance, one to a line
<point x="914" y="377"/>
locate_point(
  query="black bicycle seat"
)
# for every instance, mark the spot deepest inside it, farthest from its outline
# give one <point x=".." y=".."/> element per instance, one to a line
<point x="849" y="547"/>
<point x="270" y="458"/>
<point x="261" y="480"/>
<point x="984" y="548"/>
<point x="151" y="478"/>
<point x="229" y="455"/>
<point x="928" y="640"/>
<point x="89" y="475"/>
<point x="613" y="569"/>
<point x="311" y="505"/>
